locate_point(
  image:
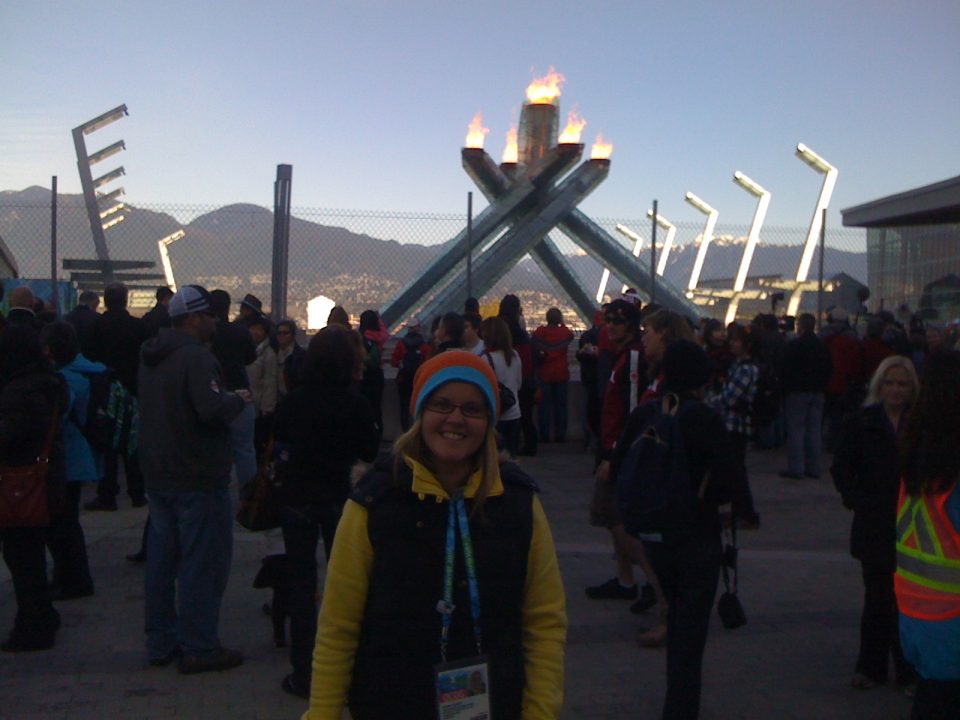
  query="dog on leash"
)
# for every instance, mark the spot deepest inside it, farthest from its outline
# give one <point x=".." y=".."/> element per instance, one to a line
<point x="273" y="574"/>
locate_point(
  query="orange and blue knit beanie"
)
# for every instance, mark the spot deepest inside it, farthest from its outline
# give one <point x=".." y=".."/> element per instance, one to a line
<point x="455" y="366"/>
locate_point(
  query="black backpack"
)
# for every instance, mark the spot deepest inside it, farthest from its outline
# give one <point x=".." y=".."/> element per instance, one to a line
<point x="112" y="415"/>
<point x="412" y="358"/>
<point x="654" y="494"/>
<point x="766" y="402"/>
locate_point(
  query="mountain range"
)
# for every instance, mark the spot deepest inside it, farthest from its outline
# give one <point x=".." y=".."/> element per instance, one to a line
<point x="231" y="248"/>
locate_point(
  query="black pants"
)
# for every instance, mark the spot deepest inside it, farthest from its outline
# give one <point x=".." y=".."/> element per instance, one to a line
<point x="879" y="632"/>
<point x="404" y="393"/>
<point x="302" y="527"/>
<point x="68" y="546"/>
<point x="742" y="497"/>
<point x="525" y="400"/>
<point x="688" y="572"/>
<point x="26" y="558"/>
<point x="109" y="486"/>
<point x="936" y="700"/>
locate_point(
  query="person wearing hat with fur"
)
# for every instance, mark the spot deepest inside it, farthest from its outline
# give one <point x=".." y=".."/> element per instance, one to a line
<point x="443" y="554"/>
<point x="688" y="564"/>
<point x="185" y="415"/>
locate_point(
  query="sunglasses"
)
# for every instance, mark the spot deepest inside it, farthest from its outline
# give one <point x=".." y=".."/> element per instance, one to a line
<point x="443" y="406"/>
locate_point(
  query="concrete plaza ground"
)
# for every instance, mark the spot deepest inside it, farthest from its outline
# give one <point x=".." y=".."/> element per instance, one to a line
<point x="801" y="591"/>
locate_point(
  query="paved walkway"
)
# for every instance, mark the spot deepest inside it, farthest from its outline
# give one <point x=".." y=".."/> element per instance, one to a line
<point x="801" y="591"/>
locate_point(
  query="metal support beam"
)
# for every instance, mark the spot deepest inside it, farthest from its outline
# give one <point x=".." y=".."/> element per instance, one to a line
<point x="494" y="182"/>
<point x="488" y="224"/>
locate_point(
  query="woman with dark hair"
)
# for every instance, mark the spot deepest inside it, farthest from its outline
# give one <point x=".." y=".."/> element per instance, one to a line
<point x="443" y="565"/>
<point x="512" y="314"/>
<point x="734" y="400"/>
<point x="927" y="581"/>
<point x="374" y="335"/>
<point x="865" y="472"/>
<point x="499" y="352"/>
<point x="551" y="342"/>
<point x="338" y="316"/>
<point x="449" y="332"/>
<point x="32" y="397"/>
<point x="71" y="568"/>
<point x="322" y="427"/>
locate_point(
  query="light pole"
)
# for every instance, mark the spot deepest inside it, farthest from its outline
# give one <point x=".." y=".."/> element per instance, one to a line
<point x="829" y="173"/>
<point x="705" y="240"/>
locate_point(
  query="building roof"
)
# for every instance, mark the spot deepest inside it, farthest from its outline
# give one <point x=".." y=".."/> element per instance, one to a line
<point x="934" y="204"/>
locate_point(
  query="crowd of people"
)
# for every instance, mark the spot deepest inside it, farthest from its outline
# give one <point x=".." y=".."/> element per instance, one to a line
<point x="197" y="402"/>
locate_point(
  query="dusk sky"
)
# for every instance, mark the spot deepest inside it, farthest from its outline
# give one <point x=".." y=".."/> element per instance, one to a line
<point x="370" y="101"/>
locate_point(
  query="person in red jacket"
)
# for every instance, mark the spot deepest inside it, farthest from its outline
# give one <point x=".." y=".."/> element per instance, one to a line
<point x="550" y="342"/>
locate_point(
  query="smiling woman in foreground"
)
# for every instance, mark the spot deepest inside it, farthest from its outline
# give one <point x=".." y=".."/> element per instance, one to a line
<point x="443" y="567"/>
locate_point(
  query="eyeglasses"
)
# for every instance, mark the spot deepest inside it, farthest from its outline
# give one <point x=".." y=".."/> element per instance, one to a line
<point x="611" y="320"/>
<point x="443" y="406"/>
<point x="284" y="332"/>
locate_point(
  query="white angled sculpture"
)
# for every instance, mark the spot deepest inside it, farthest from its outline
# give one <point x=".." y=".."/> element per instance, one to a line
<point x="705" y="240"/>
<point x="667" y="243"/>
<point x="829" y="173"/>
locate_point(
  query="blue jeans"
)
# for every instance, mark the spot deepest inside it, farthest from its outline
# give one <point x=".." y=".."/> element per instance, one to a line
<point x="302" y="527"/>
<point x="553" y="410"/>
<point x="804" y="415"/>
<point x="189" y="549"/>
<point x="241" y="443"/>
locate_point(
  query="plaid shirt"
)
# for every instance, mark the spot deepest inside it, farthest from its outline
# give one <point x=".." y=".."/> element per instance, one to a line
<point x="735" y="399"/>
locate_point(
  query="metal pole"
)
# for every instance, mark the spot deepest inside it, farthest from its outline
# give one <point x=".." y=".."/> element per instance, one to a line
<point x="54" y="295"/>
<point x="281" y="241"/>
<point x="823" y="245"/>
<point x="653" y="255"/>
<point x="469" y="244"/>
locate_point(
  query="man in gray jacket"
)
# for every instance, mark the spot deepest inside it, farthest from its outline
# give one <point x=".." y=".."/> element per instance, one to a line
<point x="185" y="456"/>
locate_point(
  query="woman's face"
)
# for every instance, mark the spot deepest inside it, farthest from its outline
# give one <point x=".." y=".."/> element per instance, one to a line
<point x="258" y="333"/>
<point x="896" y="388"/>
<point x="454" y="425"/>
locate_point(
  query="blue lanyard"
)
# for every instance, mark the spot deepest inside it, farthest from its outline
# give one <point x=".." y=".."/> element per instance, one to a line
<point x="457" y="512"/>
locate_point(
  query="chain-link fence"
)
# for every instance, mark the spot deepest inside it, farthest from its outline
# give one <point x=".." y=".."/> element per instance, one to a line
<point x="360" y="259"/>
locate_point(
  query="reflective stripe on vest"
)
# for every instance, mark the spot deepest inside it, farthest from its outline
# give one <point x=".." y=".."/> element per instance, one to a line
<point x="928" y="558"/>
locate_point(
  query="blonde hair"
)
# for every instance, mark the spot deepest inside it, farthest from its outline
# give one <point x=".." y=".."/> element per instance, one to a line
<point x="411" y="445"/>
<point x="876" y="382"/>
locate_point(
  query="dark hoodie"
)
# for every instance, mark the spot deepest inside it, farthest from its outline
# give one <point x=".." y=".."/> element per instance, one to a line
<point x="184" y="415"/>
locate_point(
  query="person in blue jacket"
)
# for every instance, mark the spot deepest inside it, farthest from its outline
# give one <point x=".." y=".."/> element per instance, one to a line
<point x="67" y="544"/>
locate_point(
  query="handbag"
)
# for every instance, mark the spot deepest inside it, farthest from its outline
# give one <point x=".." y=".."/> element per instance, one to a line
<point x="259" y="499"/>
<point x="729" y="607"/>
<point x="23" y="488"/>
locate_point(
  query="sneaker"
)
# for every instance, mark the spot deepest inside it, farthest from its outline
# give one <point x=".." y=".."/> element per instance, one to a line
<point x="101" y="503"/>
<point x="222" y="659"/>
<point x="648" y="598"/>
<point x="612" y="590"/>
<point x="61" y="593"/>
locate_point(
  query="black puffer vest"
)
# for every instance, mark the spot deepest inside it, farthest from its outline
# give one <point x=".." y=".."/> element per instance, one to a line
<point x="400" y="638"/>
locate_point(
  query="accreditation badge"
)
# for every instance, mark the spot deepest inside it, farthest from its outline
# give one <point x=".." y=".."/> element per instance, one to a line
<point x="463" y="689"/>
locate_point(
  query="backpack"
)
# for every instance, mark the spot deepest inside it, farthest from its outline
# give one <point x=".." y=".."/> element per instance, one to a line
<point x="412" y="358"/>
<point x="112" y="414"/>
<point x="766" y="402"/>
<point x="371" y="361"/>
<point x="654" y="495"/>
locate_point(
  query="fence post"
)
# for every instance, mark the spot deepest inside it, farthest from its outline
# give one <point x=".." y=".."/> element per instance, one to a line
<point x="653" y="255"/>
<point x="54" y="294"/>
<point x="469" y="244"/>
<point x="281" y="241"/>
<point x="823" y="247"/>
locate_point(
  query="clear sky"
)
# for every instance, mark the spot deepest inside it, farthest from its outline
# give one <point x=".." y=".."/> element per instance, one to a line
<point x="370" y="100"/>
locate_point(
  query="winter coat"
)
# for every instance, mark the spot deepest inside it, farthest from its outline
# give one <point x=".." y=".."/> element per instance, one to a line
<point x="83" y="464"/>
<point x="324" y="431"/>
<point x="264" y="376"/>
<point x="806" y="365"/>
<point x="551" y="343"/>
<point x="185" y="415"/>
<point x="117" y="339"/>
<point x="865" y="473"/>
